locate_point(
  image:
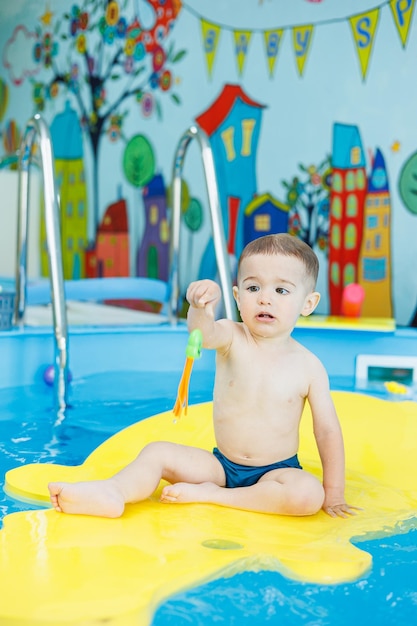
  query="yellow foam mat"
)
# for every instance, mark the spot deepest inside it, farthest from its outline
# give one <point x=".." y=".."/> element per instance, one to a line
<point x="67" y="569"/>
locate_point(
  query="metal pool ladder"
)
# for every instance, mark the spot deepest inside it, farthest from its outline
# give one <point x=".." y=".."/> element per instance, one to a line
<point x="36" y="128"/>
<point x="220" y="248"/>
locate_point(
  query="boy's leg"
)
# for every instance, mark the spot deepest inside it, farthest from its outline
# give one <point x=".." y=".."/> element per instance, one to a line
<point x="138" y="480"/>
<point x="286" y="491"/>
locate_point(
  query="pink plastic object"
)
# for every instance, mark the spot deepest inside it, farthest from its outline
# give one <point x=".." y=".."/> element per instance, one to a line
<point x="352" y="300"/>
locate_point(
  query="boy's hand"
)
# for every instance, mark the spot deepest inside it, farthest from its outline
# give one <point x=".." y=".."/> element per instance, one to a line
<point x="340" y="510"/>
<point x="203" y="292"/>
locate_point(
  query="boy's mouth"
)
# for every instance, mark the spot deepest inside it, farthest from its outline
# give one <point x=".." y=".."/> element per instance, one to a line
<point x="265" y="316"/>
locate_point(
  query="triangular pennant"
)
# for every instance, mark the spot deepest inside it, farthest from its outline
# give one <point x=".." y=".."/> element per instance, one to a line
<point x="363" y="30"/>
<point x="242" y="39"/>
<point x="402" y="13"/>
<point x="272" y="40"/>
<point x="302" y="36"/>
<point x="211" y="36"/>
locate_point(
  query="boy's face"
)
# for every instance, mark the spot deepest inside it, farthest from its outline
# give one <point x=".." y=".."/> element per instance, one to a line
<point x="272" y="292"/>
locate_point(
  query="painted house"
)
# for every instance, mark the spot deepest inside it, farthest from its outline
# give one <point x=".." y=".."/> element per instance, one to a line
<point x="375" y="257"/>
<point x="347" y="199"/>
<point x="232" y="124"/>
<point x="110" y="256"/>
<point x="152" y="259"/>
<point x="265" y="215"/>
<point x="71" y="183"/>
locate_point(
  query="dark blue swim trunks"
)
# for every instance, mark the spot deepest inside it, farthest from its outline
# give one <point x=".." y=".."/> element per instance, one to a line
<point x="245" y="475"/>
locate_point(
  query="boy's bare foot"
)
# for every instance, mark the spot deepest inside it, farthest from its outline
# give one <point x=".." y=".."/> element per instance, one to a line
<point x="189" y="492"/>
<point x="100" y="498"/>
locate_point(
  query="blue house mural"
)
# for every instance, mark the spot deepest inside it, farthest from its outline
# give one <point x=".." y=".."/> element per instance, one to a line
<point x="232" y="124"/>
<point x="265" y="215"/>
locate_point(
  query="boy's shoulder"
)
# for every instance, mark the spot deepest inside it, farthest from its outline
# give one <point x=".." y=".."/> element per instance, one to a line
<point x="305" y="353"/>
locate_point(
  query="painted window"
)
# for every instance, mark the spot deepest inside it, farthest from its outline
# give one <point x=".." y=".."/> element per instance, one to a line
<point x="375" y="270"/>
<point x="349" y="274"/>
<point x="336" y="208"/>
<point x="352" y="205"/>
<point x="164" y="231"/>
<point x="263" y="223"/>
<point x="153" y="214"/>
<point x="335" y="273"/>
<point x="378" y="241"/>
<point x="372" y="221"/>
<point x="337" y="182"/>
<point x="360" y="179"/>
<point x="247" y="132"/>
<point x="335" y="236"/>
<point x="350" y="181"/>
<point x="355" y="155"/>
<point x="350" y="237"/>
<point x="228" y="136"/>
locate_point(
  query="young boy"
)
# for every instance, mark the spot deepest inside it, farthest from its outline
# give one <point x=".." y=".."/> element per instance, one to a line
<point x="263" y="378"/>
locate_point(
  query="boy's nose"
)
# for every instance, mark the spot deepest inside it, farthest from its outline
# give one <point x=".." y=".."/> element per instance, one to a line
<point x="264" y="297"/>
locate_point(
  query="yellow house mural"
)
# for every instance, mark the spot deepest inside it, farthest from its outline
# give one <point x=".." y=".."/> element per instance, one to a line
<point x="375" y="256"/>
<point x="72" y="189"/>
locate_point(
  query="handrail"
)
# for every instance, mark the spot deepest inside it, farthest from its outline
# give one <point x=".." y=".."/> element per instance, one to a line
<point x="222" y="257"/>
<point x="36" y="128"/>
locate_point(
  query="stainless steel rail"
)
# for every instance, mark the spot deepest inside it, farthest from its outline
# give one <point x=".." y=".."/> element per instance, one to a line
<point x="37" y="131"/>
<point x="220" y="248"/>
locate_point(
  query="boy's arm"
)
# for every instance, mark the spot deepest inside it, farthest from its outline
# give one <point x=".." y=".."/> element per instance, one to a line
<point x="329" y="438"/>
<point x="203" y="297"/>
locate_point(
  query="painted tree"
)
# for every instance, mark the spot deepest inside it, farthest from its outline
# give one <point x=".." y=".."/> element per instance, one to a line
<point x="103" y="53"/>
<point x="308" y="199"/>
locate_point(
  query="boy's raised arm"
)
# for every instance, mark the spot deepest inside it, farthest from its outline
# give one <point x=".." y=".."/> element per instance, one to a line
<point x="203" y="297"/>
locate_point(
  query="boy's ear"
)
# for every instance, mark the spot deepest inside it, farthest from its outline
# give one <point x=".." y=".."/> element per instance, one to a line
<point x="236" y="295"/>
<point x="310" y="303"/>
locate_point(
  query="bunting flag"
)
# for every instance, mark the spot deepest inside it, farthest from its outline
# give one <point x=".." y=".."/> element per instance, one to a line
<point x="242" y="39"/>
<point x="363" y="27"/>
<point x="211" y="36"/>
<point x="272" y="41"/>
<point x="402" y="12"/>
<point x="301" y="37"/>
<point x="363" y="30"/>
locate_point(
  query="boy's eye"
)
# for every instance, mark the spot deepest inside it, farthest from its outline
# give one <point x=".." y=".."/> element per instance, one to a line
<point x="282" y="291"/>
<point x="253" y="288"/>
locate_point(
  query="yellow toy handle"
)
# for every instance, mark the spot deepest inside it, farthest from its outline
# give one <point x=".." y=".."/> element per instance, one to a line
<point x="192" y="351"/>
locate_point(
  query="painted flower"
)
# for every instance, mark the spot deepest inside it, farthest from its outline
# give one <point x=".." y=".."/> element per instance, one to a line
<point x="158" y="58"/>
<point x="147" y="104"/>
<point x="139" y="52"/>
<point x="165" y="80"/>
<point x="81" y="44"/>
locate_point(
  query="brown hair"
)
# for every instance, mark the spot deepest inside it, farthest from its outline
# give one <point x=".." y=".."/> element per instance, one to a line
<point x="286" y="245"/>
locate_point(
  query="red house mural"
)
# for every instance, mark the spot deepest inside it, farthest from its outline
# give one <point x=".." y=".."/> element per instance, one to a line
<point x="110" y="257"/>
<point x="347" y="199"/>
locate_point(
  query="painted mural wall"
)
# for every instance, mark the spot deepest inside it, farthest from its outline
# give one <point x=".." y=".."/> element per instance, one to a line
<point x="309" y="107"/>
